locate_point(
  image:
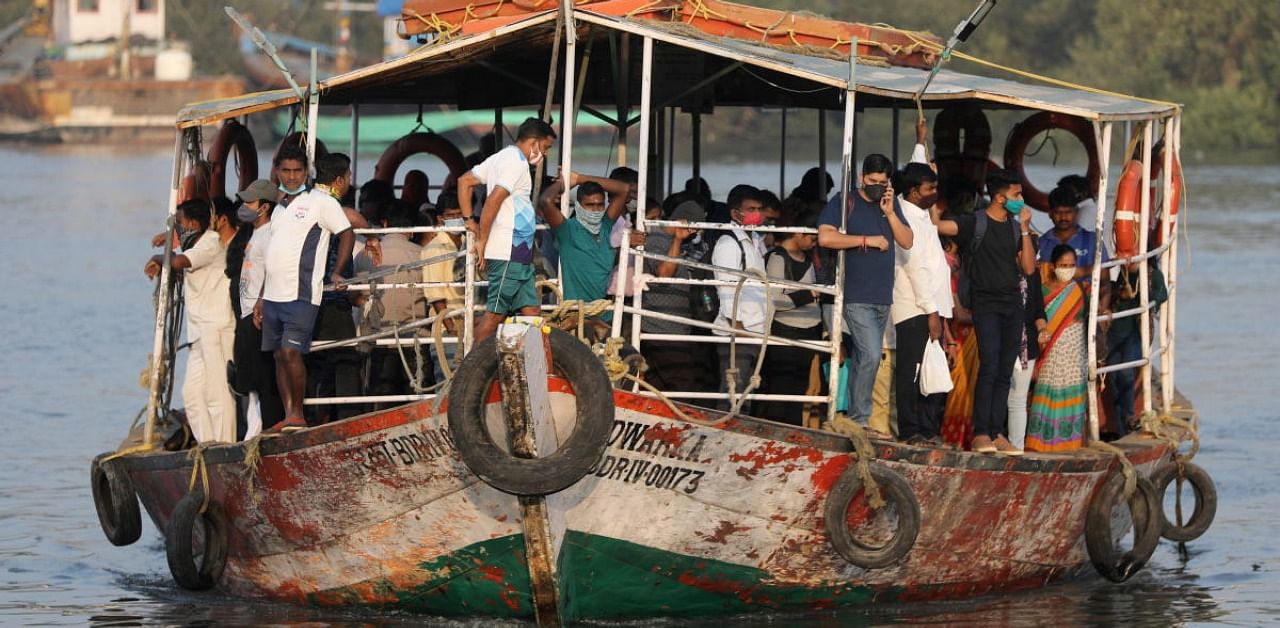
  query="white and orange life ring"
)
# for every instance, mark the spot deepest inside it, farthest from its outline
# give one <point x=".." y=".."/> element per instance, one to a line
<point x="1128" y="213"/>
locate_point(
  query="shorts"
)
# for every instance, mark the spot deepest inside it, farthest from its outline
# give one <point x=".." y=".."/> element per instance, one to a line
<point x="288" y="325"/>
<point x="512" y="286"/>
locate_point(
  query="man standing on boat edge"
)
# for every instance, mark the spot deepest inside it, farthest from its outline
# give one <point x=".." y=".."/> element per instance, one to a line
<point x="873" y="217"/>
<point x="997" y="254"/>
<point x="504" y="229"/>
<point x="296" y="256"/>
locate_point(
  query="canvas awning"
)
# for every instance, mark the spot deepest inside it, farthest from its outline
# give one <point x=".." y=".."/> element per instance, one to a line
<point x="507" y="67"/>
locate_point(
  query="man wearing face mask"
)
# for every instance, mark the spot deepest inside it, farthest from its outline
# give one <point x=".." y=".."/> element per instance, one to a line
<point x="997" y="243"/>
<point x="290" y="166"/>
<point x="587" y="257"/>
<point x="736" y="248"/>
<point x="255" y="368"/>
<point x="297" y="255"/>
<point x="921" y="300"/>
<point x="504" y="235"/>
<point x="211" y="410"/>
<point x="872" y="221"/>
<point x="443" y="299"/>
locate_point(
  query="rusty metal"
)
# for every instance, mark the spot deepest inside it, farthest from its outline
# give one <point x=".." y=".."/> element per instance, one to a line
<point x="521" y="350"/>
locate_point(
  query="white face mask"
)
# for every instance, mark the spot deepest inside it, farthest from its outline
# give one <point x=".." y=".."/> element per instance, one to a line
<point x="1064" y="274"/>
<point x="536" y="157"/>
<point x="454" y="223"/>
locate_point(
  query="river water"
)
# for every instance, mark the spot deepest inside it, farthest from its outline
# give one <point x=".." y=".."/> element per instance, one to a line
<point x="77" y="310"/>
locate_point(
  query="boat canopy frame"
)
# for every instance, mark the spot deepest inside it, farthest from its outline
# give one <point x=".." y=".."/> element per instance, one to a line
<point x="736" y="70"/>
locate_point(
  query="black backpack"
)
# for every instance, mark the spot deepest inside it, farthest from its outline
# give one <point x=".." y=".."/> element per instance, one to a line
<point x="964" y="288"/>
<point x="704" y="301"/>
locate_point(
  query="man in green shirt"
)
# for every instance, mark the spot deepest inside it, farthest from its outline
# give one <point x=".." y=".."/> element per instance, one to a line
<point x="586" y="255"/>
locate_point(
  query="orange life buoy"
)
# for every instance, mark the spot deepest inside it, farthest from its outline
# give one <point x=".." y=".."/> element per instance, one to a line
<point x="1175" y="198"/>
<point x="1128" y="209"/>
<point x="232" y="134"/>
<point x="970" y="158"/>
<point x="1020" y="137"/>
<point x="297" y="138"/>
<point x="413" y="144"/>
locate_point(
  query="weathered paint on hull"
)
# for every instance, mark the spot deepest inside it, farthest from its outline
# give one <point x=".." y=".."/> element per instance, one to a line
<point x="380" y="510"/>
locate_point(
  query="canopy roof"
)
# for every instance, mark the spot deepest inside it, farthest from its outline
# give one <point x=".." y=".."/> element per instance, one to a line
<point x="507" y="67"/>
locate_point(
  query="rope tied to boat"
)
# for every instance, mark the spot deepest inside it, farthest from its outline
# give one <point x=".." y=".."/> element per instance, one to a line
<point x="1157" y="425"/>
<point x="865" y="452"/>
<point x="199" y="470"/>
<point x="1126" y="467"/>
<point x="736" y="399"/>
<point x="252" y="456"/>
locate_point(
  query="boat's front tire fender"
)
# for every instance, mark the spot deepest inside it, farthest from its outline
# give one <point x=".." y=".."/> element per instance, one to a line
<point x="896" y="492"/>
<point x="115" y="500"/>
<point x="196" y="568"/>
<point x="1143" y="508"/>
<point x="1206" y="501"/>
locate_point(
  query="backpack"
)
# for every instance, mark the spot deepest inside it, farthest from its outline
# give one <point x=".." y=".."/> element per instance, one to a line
<point x="964" y="288"/>
<point x="704" y="301"/>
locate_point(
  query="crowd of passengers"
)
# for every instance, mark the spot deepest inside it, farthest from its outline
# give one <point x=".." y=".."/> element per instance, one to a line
<point x="1006" y="304"/>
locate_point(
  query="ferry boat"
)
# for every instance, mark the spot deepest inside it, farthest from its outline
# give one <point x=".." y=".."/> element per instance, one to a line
<point x="538" y="487"/>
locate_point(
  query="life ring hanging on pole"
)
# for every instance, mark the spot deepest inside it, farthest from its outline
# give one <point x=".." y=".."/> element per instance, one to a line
<point x="1157" y="185"/>
<point x="969" y="159"/>
<point x="1125" y="223"/>
<point x="232" y="134"/>
<point x="896" y="491"/>
<point x="416" y="143"/>
<point x="532" y="476"/>
<point x="1020" y="137"/>
<point x="1143" y="506"/>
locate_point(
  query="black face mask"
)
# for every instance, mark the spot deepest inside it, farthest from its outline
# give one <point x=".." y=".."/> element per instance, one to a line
<point x="874" y="191"/>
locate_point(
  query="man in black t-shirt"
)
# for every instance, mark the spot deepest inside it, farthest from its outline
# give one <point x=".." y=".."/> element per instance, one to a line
<point x="1003" y="251"/>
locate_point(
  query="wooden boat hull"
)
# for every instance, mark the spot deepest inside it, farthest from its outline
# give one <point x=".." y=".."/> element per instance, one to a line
<point x="676" y="519"/>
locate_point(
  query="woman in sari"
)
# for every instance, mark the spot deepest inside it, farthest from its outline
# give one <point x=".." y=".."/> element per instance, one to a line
<point x="1060" y="396"/>
<point x="962" y="349"/>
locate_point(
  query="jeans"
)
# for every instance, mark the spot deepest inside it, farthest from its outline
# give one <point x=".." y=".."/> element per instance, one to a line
<point x="1021" y="385"/>
<point x="999" y="338"/>
<point x="1124" y="384"/>
<point x="865" y="322"/>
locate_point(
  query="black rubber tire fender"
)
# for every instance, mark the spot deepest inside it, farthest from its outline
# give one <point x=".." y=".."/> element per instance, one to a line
<point x="1206" y="501"/>
<point x="895" y="490"/>
<point x="178" y="543"/>
<point x="115" y="501"/>
<point x="1099" y="540"/>
<point x="532" y="476"/>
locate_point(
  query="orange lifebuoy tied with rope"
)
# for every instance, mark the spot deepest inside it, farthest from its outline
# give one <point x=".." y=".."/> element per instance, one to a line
<point x="232" y="135"/>
<point x="415" y="143"/>
<point x="1020" y="137"/>
<point x="1127" y="221"/>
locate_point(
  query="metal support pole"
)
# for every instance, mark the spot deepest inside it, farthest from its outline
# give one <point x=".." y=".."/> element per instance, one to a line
<point x="1144" y="273"/>
<point x="894" y="133"/>
<point x="313" y="116"/>
<point x="646" y="121"/>
<point x="1171" y="271"/>
<point x="1166" y="223"/>
<point x="822" y="153"/>
<point x="671" y="150"/>
<point x="782" y="157"/>
<point x="846" y="178"/>
<point x="355" y="150"/>
<point x="695" y="119"/>
<point x="154" y="381"/>
<point x="566" y="124"/>
<point x="469" y="293"/>
<point x="1102" y="131"/>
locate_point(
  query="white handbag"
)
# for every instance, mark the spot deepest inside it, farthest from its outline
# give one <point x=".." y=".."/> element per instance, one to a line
<point x="933" y="373"/>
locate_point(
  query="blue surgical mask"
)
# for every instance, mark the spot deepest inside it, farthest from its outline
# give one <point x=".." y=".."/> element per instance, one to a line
<point x="294" y="192"/>
<point x="454" y="223"/>
<point x="1014" y="205"/>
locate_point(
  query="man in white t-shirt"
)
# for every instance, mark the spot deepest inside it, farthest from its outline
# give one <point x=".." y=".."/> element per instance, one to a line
<point x="504" y="235"/>
<point x="255" y="373"/>
<point x="295" y="263"/>
<point x="738" y="249"/>
<point x="211" y="410"/>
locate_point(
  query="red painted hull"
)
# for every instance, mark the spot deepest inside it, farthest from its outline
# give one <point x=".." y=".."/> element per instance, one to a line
<point x="380" y="510"/>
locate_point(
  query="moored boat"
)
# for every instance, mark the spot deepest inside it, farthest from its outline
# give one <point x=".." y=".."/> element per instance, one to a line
<point x="669" y="509"/>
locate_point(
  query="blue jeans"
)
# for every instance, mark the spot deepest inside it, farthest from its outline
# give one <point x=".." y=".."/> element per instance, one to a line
<point x="865" y="322"/>
<point x="1124" y="384"/>
<point x="999" y="338"/>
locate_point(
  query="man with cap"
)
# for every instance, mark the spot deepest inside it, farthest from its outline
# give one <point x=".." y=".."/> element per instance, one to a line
<point x="255" y="372"/>
<point x="675" y="365"/>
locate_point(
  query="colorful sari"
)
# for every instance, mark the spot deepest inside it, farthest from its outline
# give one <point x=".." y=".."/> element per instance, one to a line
<point x="957" y="418"/>
<point x="1059" y="401"/>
